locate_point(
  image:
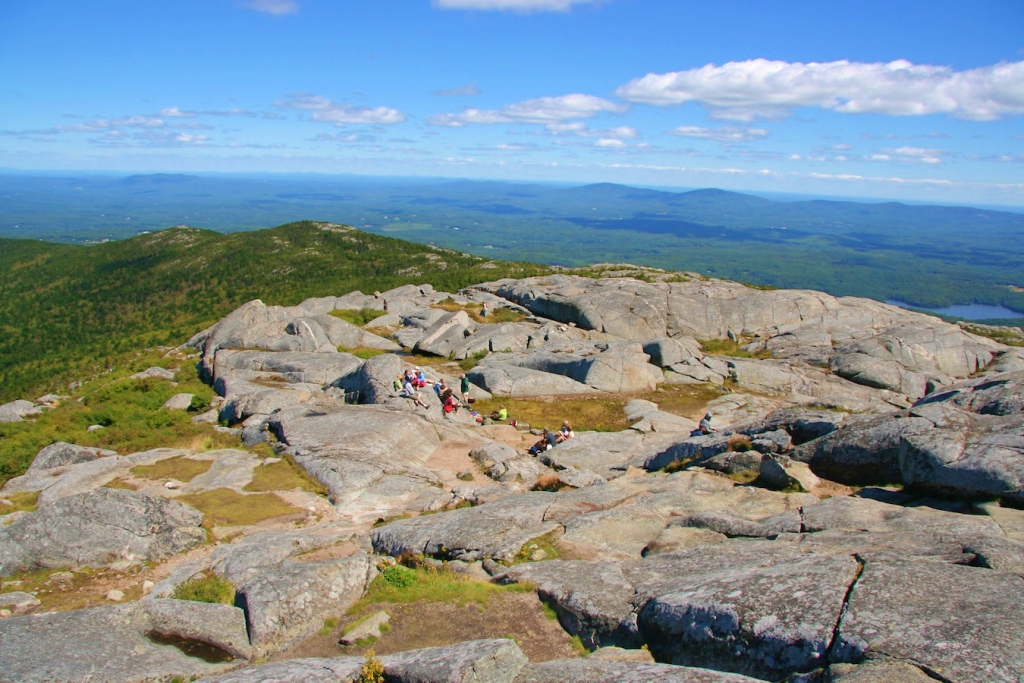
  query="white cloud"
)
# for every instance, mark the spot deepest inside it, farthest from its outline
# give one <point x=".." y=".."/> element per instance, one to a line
<point x="580" y="129"/>
<point x="610" y="143"/>
<point x="544" y="110"/>
<point x="461" y="91"/>
<point x="760" y="88"/>
<point x="175" y="113"/>
<point x="328" y="111"/>
<point x="234" y="111"/>
<point x="725" y="134"/>
<point x="137" y="122"/>
<point x="916" y="154"/>
<point x="512" y="5"/>
<point x="275" y="7"/>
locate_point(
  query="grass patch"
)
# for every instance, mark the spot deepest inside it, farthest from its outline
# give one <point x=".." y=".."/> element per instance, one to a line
<point x="360" y="317"/>
<point x="22" y="501"/>
<point x="728" y="347"/>
<point x="501" y="314"/>
<point x="284" y="475"/>
<point x="678" y="465"/>
<point x="398" y="584"/>
<point x="578" y="647"/>
<point x="472" y="361"/>
<point x="1002" y="336"/>
<point x="208" y="588"/>
<point x="328" y="626"/>
<point x="424" y="360"/>
<point x="120" y="484"/>
<point x="228" y="508"/>
<point x="549" y="611"/>
<point x="601" y="412"/>
<point x="181" y="468"/>
<point x="545" y="543"/>
<point x="363" y="352"/>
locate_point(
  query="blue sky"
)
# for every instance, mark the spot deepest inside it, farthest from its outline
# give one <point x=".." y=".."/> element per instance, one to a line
<point x="910" y="100"/>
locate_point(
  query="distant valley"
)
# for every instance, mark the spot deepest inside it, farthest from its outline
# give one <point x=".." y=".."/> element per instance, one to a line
<point x="927" y="256"/>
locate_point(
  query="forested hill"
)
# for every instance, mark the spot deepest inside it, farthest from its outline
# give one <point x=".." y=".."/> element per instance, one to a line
<point x="67" y="310"/>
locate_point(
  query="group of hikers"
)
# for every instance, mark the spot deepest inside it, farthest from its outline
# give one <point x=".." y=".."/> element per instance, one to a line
<point x="412" y="380"/>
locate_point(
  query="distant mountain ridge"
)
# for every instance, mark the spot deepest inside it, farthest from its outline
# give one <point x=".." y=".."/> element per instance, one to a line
<point x="929" y="256"/>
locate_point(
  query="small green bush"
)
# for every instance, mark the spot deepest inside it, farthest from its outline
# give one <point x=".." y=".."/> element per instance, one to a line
<point x="360" y="317"/>
<point x="209" y="588"/>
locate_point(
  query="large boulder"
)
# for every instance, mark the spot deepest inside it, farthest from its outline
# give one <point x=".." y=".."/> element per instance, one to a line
<point x="507" y="379"/>
<point x="61" y="453"/>
<point x="97" y="528"/>
<point x="17" y="411"/>
<point x="497" y="530"/>
<point x="287" y="603"/>
<point x="605" y="366"/>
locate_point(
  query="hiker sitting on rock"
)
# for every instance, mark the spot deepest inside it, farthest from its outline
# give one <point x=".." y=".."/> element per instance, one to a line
<point x="500" y="415"/>
<point x="565" y="433"/>
<point x="409" y="391"/>
<point x="547" y="442"/>
<point x="705" y="425"/>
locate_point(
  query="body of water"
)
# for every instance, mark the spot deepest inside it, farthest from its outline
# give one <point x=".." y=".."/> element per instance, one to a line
<point x="965" y="311"/>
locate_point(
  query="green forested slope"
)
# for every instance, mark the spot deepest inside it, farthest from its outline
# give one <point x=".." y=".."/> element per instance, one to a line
<point x="69" y="310"/>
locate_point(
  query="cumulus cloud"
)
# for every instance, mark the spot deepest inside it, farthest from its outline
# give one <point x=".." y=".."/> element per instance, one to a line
<point x="760" y="88"/>
<point x="175" y="113"/>
<point x="580" y="129"/>
<point x="512" y="5"/>
<point x="328" y="111"/>
<point x="234" y="111"/>
<point x="275" y="7"/>
<point x="461" y="91"/>
<point x="611" y="143"/>
<point x="542" y="110"/>
<point x="725" y="134"/>
<point x="915" y="154"/>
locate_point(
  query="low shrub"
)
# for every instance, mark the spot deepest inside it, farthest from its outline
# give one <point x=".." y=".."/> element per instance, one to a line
<point x="739" y="443"/>
<point x="208" y="588"/>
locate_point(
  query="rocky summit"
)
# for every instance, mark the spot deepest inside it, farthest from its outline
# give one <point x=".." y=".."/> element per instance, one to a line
<point x="853" y="513"/>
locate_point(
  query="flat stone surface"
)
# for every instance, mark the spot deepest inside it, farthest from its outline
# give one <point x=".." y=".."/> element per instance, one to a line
<point x="963" y="623"/>
<point x="104" y="643"/>
<point x="476" y="661"/>
<point x="766" y="622"/>
<point x="598" y="671"/>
